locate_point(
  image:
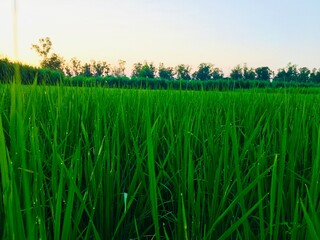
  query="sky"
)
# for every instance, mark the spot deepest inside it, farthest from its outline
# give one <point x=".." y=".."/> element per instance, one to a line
<point x="225" y="33"/>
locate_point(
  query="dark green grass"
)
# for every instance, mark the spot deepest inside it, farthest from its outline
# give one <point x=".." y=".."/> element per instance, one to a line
<point x="100" y="163"/>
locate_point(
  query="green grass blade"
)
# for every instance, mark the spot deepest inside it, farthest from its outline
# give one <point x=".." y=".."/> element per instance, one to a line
<point x="152" y="179"/>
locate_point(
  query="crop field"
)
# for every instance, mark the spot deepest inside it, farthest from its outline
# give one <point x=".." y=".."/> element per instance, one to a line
<point x="98" y="163"/>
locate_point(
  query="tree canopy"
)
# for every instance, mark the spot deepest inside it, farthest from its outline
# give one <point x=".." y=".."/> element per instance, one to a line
<point x="204" y="72"/>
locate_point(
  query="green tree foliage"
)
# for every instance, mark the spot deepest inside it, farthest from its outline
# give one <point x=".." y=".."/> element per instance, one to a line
<point x="217" y="73"/>
<point x="236" y="73"/>
<point x="315" y="76"/>
<point x="291" y="74"/>
<point x="6" y="70"/>
<point x="287" y="74"/>
<point x="146" y="70"/>
<point x="87" y="70"/>
<point x="292" y="71"/>
<point x="245" y="73"/>
<point x="183" y="72"/>
<point x="54" y="62"/>
<point x="204" y="72"/>
<point x="263" y="73"/>
<point x="248" y="73"/>
<point x="281" y="75"/>
<point x="207" y="71"/>
<point x="304" y="74"/>
<point x="165" y="72"/>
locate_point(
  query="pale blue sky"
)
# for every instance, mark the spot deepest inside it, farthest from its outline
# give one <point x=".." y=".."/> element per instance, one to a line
<point x="225" y="33"/>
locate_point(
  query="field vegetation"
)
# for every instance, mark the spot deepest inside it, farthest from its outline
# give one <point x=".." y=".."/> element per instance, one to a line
<point x="101" y="163"/>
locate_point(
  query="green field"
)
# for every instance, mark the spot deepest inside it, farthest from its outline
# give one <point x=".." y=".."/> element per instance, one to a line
<point x="99" y="163"/>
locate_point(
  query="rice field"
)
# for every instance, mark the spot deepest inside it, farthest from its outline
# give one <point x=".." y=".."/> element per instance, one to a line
<point x="97" y="163"/>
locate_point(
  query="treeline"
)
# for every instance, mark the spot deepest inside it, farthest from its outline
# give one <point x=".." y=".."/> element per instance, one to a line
<point x="28" y="74"/>
<point x="291" y="73"/>
<point x="54" y="69"/>
<point x="205" y="72"/>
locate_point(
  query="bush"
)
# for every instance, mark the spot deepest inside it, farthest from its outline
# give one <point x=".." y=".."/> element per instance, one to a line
<point x="28" y="74"/>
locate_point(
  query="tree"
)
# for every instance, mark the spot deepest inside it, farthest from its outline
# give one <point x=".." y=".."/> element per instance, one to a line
<point x="288" y="74"/>
<point x="86" y="70"/>
<point x="281" y="75"/>
<point x="217" y="73"/>
<point x="304" y="74"/>
<point x="146" y="70"/>
<point x="43" y="48"/>
<point x="183" y="72"/>
<point x="100" y="68"/>
<point x="206" y="71"/>
<point x="165" y="72"/>
<point x="67" y="70"/>
<point x="136" y="69"/>
<point x="315" y="76"/>
<point x="119" y="70"/>
<point x="248" y="73"/>
<point x="54" y="61"/>
<point x="236" y="73"/>
<point x="292" y="72"/>
<point x="263" y="73"/>
<point x="76" y="66"/>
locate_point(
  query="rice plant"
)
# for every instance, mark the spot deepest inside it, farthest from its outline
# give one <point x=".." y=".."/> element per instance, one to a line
<point x="98" y="163"/>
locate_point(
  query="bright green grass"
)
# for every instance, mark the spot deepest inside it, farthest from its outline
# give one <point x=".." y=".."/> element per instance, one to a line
<point x="99" y="163"/>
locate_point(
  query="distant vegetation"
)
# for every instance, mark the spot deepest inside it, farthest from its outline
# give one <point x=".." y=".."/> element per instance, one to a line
<point x="28" y="74"/>
<point x="54" y="69"/>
